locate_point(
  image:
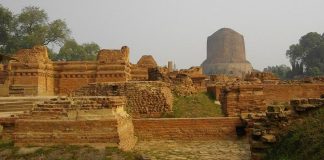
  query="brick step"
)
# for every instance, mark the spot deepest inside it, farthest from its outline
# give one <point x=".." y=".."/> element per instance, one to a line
<point x="24" y="99"/>
<point x="16" y="94"/>
<point x="15" y="103"/>
<point x="49" y="109"/>
<point x="15" y="109"/>
<point x="108" y="116"/>
<point x="9" y="113"/>
<point x="8" y="107"/>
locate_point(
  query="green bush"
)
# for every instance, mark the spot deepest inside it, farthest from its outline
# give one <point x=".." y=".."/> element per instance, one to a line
<point x="304" y="140"/>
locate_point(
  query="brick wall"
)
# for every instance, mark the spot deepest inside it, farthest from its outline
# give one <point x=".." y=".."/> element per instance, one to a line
<point x="35" y="68"/>
<point x="92" y="126"/>
<point x="242" y="99"/>
<point x="286" y="92"/>
<point x="186" y="128"/>
<point x="144" y="98"/>
<point x="48" y="132"/>
<point x="255" y="98"/>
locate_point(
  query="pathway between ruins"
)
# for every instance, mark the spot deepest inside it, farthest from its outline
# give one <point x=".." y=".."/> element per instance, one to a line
<point x="195" y="150"/>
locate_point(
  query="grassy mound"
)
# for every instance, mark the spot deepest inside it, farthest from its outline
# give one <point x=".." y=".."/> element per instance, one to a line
<point x="197" y="105"/>
<point x="304" y="140"/>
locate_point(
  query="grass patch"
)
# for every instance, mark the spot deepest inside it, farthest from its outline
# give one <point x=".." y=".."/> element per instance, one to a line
<point x="115" y="153"/>
<point x="66" y="152"/>
<point x="304" y="140"/>
<point x="198" y="105"/>
<point x="4" y="144"/>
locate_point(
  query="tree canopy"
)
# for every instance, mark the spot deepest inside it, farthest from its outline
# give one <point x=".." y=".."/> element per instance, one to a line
<point x="282" y="71"/>
<point x="72" y="51"/>
<point x="30" y="27"/>
<point x="307" y="57"/>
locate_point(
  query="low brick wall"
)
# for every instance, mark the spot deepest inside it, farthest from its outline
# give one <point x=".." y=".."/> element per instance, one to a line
<point x="286" y="92"/>
<point x="48" y="132"/>
<point x="186" y="128"/>
<point x="255" y="98"/>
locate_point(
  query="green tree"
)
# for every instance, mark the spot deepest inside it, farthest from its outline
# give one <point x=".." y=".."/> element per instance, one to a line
<point x="72" y="51"/>
<point x="91" y="50"/>
<point x="307" y="57"/>
<point x="30" y="27"/>
<point x="281" y="71"/>
<point x="6" y="27"/>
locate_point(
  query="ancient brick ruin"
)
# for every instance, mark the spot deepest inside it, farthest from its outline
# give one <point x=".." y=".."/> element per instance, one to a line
<point x="266" y="128"/>
<point x="35" y="74"/>
<point x="139" y="71"/>
<point x="148" y="99"/>
<point x="113" y="102"/>
<point x="255" y="98"/>
<point x="76" y="120"/>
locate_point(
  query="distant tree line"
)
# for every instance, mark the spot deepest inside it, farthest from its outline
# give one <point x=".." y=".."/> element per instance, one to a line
<point x="306" y="58"/>
<point x="282" y="71"/>
<point x="32" y="27"/>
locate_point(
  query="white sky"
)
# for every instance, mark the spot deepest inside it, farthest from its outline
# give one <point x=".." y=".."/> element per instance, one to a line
<point x="178" y="29"/>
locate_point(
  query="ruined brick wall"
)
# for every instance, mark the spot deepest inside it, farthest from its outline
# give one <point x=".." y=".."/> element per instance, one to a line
<point x="242" y="99"/>
<point x="70" y="76"/>
<point x="145" y="99"/>
<point x="192" y="71"/>
<point x="34" y="68"/>
<point x="37" y="54"/>
<point x="139" y="71"/>
<point x="286" y="92"/>
<point x="196" y="75"/>
<point x="3" y="74"/>
<point x="125" y="129"/>
<point x="114" y="56"/>
<point x="61" y="107"/>
<point x="39" y="132"/>
<point x="255" y="97"/>
<point x="49" y="132"/>
<point x="158" y="74"/>
<point x="264" y="130"/>
<point x="186" y="128"/>
<point x="41" y="79"/>
<point x="265" y="77"/>
<point x="111" y="66"/>
<point x="4" y="83"/>
<point x="77" y="120"/>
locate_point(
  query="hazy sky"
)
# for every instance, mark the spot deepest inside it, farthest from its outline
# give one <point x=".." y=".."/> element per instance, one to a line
<point x="178" y="29"/>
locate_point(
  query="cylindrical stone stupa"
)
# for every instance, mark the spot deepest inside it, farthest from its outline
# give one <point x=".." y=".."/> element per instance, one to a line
<point x="226" y="54"/>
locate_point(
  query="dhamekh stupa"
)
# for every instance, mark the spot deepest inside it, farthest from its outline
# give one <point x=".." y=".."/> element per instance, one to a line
<point x="226" y="54"/>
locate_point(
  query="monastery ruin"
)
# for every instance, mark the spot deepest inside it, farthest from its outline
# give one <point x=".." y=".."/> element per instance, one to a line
<point x="111" y="101"/>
